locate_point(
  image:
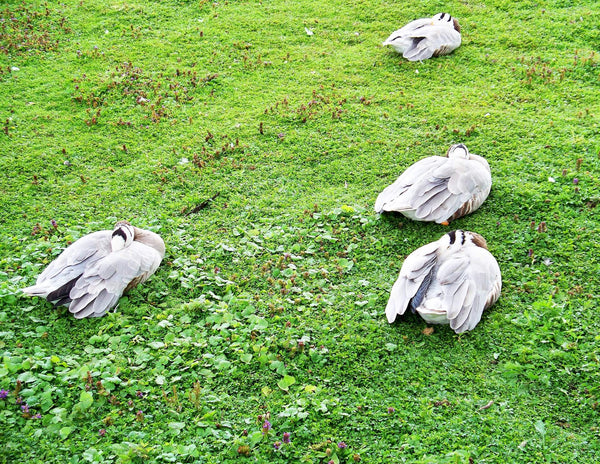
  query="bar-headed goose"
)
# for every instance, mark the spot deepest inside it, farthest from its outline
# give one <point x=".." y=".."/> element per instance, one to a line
<point x="90" y="275"/>
<point x="426" y="37"/>
<point x="449" y="281"/>
<point x="439" y="188"/>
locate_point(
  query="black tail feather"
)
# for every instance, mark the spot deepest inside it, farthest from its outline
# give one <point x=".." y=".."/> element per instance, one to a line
<point x="60" y="296"/>
<point x="416" y="300"/>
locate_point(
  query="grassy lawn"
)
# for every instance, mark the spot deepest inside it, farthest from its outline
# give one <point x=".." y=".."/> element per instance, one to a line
<point x="269" y="304"/>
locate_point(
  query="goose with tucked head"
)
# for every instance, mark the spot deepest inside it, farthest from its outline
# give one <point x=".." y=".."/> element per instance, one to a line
<point x="92" y="274"/>
<point x="449" y="281"/>
<point x="426" y="37"/>
<point x="439" y="189"/>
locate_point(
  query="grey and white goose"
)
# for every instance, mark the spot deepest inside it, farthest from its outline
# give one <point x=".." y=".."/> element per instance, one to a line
<point x="439" y="189"/>
<point x="92" y="274"/>
<point x="426" y="37"/>
<point x="449" y="281"/>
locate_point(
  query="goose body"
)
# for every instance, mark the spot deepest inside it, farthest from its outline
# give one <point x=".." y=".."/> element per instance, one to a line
<point x="439" y="189"/>
<point x="90" y="275"/>
<point x="426" y="37"/>
<point x="449" y="281"/>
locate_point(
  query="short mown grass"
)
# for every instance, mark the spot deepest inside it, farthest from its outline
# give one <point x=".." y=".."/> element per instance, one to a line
<point x="267" y="314"/>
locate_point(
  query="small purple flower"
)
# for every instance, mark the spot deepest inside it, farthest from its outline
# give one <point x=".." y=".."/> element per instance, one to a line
<point x="342" y="445"/>
<point x="102" y="432"/>
<point x="391" y="410"/>
<point x="130" y="403"/>
<point x="140" y="394"/>
<point x="575" y="180"/>
<point x="37" y="416"/>
<point x="4" y="394"/>
<point x="331" y="461"/>
<point x="25" y="408"/>
<point x="139" y="416"/>
<point x="277" y="445"/>
<point x="266" y="426"/>
<point x="530" y="252"/>
<point x="19" y="400"/>
<point x="286" y="437"/>
<point x="54" y="224"/>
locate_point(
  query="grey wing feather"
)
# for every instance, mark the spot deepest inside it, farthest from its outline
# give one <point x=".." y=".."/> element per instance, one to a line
<point x="428" y="202"/>
<point x="432" y="41"/>
<point x="414" y="271"/>
<point x="434" y="188"/>
<point x="470" y="282"/>
<point x="467" y="176"/>
<point x="407" y="30"/>
<point x="419" y="50"/>
<point x="103" y="283"/>
<point x="465" y="183"/>
<point x="94" y="246"/>
<point x="392" y="198"/>
<point x="71" y="263"/>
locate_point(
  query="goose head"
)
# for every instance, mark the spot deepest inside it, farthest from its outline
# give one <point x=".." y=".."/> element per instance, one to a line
<point x="445" y="19"/>
<point x="456" y="239"/>
<point x="458" y="151"/>
<point x="122" y="236"/>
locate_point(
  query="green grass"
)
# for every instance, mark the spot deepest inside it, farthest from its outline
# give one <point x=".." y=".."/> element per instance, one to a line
<point x="270" y="300"/>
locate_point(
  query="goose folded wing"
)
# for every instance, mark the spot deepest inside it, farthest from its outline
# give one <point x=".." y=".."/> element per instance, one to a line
<point x="415" y="269"/>
<point x="71" y="263"/>
<point x="467" y="281"/>
<point x="432" y="40"/>
<point x="394" y="197"/>
<point x="87" y="249"/>
<point x="407" y="30"/>
<point x="445" y="191"/>
<point x="103" y="283"/>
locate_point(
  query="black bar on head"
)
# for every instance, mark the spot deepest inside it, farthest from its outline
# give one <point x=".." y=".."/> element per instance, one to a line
<point x="120" y="233"/>
<point x="452" y="235"/>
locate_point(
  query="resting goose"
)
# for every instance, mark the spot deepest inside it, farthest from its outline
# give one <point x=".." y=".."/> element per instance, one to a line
<point x="426" y="37"/>
<point x="449" y="281"/>
<point x="90" y="276"/>
<point x="439" y="189"/>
